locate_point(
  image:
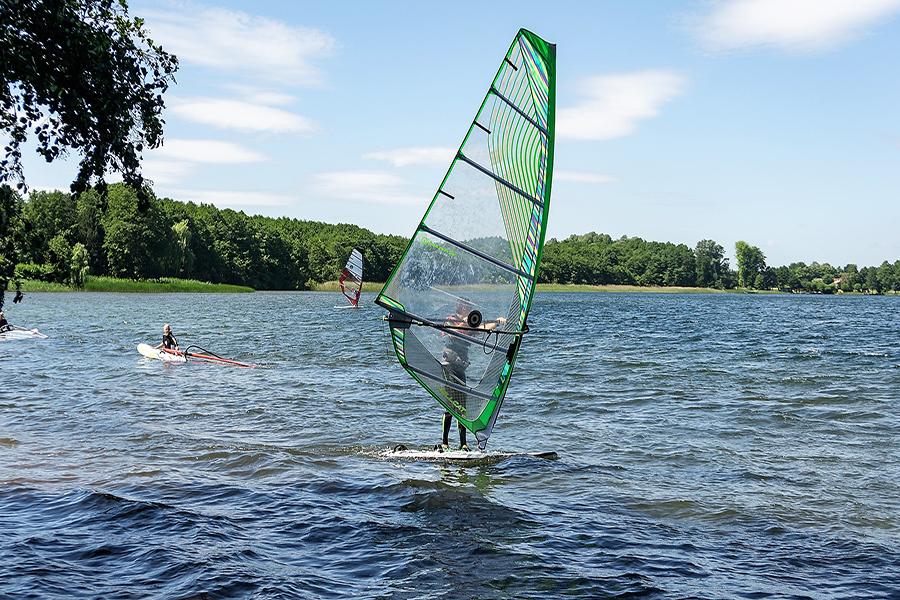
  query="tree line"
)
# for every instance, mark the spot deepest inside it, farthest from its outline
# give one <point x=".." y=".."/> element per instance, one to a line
<point x="598" y="259"/>
<point x="57" y="236"/>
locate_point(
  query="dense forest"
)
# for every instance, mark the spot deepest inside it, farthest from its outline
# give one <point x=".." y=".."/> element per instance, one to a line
<point x="56" y="236"/>
<point x="598" y="259"/>
<point x="62" y="238"/>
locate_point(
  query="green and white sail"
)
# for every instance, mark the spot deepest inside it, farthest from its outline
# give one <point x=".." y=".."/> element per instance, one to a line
<point x="479" y="244"/>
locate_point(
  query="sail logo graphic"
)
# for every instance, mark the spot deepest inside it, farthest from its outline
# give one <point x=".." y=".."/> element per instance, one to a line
<point x="436" y="246"/>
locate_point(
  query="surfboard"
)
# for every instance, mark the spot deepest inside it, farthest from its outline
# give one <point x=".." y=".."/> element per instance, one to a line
<point x="155" y="353"/>
<point x="472" y="456"/>
<point x="20" y="333"/>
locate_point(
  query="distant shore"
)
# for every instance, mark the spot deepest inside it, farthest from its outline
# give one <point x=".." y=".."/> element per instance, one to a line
<point x="113" y="284"/>
<point x="334" y="286"/>
<point x="175" y="285"/>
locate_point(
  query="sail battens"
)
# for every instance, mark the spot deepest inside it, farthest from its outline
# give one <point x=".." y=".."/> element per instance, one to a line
<point x="455" y="332"/>
<point x="499" y="179"/>
<point x="450" y="384"/>
<point x="476" y="252"/>
<point x="482" y="127"/>
<point x="518" y="110"/>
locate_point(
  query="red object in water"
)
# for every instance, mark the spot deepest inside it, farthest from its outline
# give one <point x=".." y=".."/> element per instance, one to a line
<point x="210" y="358"/>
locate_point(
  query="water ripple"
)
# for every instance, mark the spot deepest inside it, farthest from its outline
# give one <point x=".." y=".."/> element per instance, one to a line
<point x="710" y="446"/>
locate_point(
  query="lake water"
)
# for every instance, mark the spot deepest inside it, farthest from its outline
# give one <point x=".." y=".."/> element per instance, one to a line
<point x="709" y="446"/>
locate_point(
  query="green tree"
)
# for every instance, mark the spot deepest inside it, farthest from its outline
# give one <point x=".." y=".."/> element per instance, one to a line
<point x="871" y="278"/>
<point x="885" y="277"/>
<point x="81" y="75"/>
<point x="185" y="255"/>
<point x="78" y="265"/>
<point x="751" y="262"/>
<point x="10" y="238"/>
<point x="711" y="264"/>
<point x="768" y="279"/>
<point x="137" y="241"/>
<point x="849" y="278"/>
<point x="89" y="209"/>
<point x="59" y="254"/>
<point x="46" y="215"/>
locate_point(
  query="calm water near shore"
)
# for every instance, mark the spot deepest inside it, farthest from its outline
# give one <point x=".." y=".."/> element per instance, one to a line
<point x="710" y="446"/>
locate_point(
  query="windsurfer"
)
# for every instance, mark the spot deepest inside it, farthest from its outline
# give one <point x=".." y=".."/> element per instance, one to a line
<point x="168" y="341"/>
<point x="4" y="324"/>
<point x="455" y="361"/>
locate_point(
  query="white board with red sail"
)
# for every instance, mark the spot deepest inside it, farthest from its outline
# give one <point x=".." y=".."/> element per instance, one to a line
<point x="351" y="279"/>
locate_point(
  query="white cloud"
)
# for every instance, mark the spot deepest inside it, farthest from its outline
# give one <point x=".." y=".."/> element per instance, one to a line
<point x="791" y="24"/>
<point x="232" y="199"/>
<point x="162" y="172"/>
<point x="63" y="187"/>
<point x="206" y="151"/>
<point x="374" y="187"/>
<point x="402" y="157"/>
<point x="239" y="115"/>
<point x="236" y="41"/>
<point x="257" y="95"/>
<point x="582" y="177"/>
<point x="613" y="105"/>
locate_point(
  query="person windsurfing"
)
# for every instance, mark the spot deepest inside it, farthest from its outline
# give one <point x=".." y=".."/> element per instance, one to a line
<point x="455" y="361"/>
<point x="4" y="324"/>
<point x="168" y="341"/>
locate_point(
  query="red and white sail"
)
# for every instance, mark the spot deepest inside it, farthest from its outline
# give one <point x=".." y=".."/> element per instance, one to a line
<point x="351" y="277"/>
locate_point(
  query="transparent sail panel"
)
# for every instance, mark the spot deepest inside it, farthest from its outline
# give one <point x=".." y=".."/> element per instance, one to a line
<point x="434" y="276"/>
<point x="468" y="212"/>
<point x="465" y="391"/>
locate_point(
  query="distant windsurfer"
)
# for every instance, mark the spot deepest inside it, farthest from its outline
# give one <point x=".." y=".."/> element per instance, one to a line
<point x="4" y="324"/>
<point x="455" y="361"/>
<point x="168" y="341"/>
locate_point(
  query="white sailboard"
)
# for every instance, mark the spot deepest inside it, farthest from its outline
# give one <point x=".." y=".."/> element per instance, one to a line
<point x="149" y="351"/>
<point x="462" y="456"/>
<point x="20" y="333"/>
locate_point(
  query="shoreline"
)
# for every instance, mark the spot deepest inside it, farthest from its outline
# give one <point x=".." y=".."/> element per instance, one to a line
<point x="334" y="286"/>
<point x="172" y="285"/>
<point x="165" y="285"/>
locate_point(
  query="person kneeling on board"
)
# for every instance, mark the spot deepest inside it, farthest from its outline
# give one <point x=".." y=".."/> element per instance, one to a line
<point x="168" y="341"/>
<point x="454" y="364"/>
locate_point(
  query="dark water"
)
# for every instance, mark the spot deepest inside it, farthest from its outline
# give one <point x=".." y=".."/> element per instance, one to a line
<point x="710" y="446"/>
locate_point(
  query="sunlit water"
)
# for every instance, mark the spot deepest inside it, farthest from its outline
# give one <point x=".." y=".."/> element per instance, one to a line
<point x="710" y="446"/>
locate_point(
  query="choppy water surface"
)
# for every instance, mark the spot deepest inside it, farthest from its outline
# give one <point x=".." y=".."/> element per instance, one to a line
<point x="710" y="446"/>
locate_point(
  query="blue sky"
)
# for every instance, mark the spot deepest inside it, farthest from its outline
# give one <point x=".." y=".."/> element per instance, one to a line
<point x="772" y="121"/>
